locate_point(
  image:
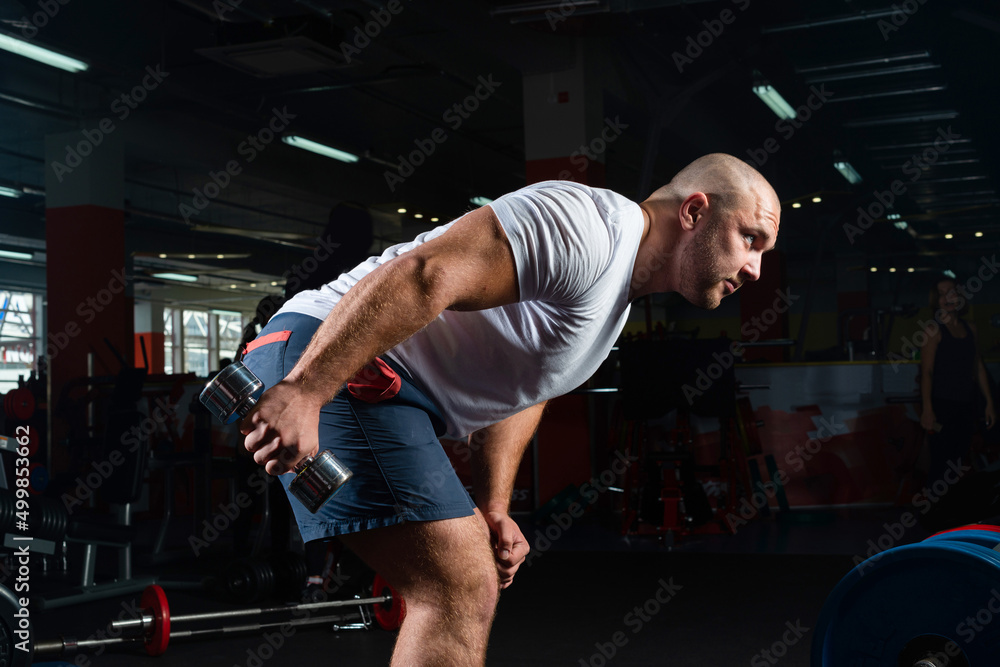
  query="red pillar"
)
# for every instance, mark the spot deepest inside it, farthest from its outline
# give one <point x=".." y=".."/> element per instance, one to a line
<point x="87" y="283"/>
<point x="566" y="134"/>
<point x="566" y="138"/>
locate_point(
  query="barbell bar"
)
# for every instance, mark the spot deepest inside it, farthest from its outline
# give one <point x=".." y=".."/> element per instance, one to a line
<point x="155" y="627"/>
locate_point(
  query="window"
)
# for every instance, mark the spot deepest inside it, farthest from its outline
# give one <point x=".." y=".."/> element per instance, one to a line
<point x="168" y="340"/>
<point x="19" y="336"/>
<point x="196" y="342"/>
<point x="230" y="333"/>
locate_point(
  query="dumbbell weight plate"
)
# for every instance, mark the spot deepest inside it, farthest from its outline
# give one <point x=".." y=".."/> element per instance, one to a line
<point x="389" y="615"/>
<point x="228" y="393"/>
<point x="241" y="580"/>
<point x="265" y="575"/>
<point x="155" y="600"/>
<point x="290" y="572"/>
<point x="10" y="656"/>
<point x="913" y="595"/>
<point x="19" y="404"/>
<point x="984" y="538"/>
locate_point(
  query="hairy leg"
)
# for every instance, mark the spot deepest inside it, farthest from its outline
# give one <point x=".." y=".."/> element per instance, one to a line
<point x="446" y="573"/>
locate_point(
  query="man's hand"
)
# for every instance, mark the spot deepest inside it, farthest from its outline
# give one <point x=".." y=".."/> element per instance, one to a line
<point x="283" y="428"/>
<point x="509" y="546"/>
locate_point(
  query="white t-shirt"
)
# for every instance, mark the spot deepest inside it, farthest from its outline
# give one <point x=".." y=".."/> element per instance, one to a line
<point x="575" y="248"/>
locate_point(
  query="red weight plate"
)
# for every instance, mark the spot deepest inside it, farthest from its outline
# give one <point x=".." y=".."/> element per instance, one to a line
<point x="20" y="404"/>
<point x="154" y="600"/>
<point x="973" y="526"/>
<point x="389" y="615"/>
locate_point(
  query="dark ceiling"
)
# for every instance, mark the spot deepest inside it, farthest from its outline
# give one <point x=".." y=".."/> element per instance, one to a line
<point x="886" y="80"/>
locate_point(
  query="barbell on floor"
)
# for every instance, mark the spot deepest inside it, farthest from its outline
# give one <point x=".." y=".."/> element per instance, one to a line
<point x="155" y="627"/>
<point x="931" y="604"/>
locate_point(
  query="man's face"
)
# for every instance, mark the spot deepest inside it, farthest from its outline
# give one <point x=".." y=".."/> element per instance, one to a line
<point x="726" y="252"/>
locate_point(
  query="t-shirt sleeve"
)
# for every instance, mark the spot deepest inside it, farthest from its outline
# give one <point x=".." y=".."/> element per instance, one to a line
<point x="561" y="241"/>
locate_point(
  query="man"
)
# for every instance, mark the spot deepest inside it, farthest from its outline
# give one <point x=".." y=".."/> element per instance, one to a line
<point x="479" y="323"/>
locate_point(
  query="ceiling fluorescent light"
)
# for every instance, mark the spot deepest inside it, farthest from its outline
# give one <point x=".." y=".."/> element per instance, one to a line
<point x="177" y="276"/>
<point x="10" y="192"/>
<point x="29" y="50"/>
<point x="775" y="102"/>
<point x="321" y="149"/>
<point x="481" y="201"/>
<point x="848" y="172"/>
<point x="9" y="254"/>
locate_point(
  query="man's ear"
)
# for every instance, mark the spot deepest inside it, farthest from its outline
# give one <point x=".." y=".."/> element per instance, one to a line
<point x="694" y="206"/>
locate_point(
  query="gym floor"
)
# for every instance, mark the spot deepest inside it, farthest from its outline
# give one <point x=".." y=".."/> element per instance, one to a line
<point x="708" y="600"/>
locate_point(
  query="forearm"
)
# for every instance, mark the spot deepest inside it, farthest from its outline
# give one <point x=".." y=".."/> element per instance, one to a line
<point x="984" y="383"/>
<point x="496" y="456"/>
<point x="383" y="309"/>
<point x="925" y="391"/>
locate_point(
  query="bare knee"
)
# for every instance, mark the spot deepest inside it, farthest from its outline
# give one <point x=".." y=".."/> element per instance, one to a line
<point x="470" y="594"/>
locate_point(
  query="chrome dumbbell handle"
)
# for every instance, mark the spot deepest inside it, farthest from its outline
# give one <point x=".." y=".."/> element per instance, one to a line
<point x="232" y="394"/>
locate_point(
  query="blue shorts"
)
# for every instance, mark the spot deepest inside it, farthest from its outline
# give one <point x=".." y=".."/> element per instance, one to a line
<point x="401" y="472"/>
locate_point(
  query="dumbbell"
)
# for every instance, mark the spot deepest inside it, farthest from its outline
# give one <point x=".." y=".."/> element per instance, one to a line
<point x="231" y="395"/>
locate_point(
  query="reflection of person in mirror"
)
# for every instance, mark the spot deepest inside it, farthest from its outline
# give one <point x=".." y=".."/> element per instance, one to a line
<point x="952" y="378"/>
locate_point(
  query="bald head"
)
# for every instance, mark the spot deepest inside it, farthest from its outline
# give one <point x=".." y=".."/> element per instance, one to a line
<point x="731" y="183"/>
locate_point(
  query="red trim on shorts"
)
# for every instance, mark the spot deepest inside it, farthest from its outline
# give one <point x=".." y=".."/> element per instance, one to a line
<point x="275" y="337"/>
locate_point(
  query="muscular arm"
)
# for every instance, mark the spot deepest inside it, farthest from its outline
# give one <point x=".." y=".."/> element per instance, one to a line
<point x="496" y="454"/>
<point x="469" y="267"/>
